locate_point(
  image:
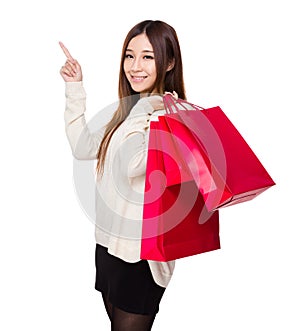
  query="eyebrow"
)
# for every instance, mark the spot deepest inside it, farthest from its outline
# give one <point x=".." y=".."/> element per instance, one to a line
<point x="144" y="51"/>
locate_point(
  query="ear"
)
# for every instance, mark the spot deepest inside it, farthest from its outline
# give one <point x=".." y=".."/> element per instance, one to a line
<point x="171" y="65"/>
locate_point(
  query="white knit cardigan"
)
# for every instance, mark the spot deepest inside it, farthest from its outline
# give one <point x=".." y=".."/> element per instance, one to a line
<point x="120" y="190"/>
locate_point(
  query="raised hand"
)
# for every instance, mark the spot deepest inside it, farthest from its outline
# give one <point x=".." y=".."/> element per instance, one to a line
<point x="71" y="70"/>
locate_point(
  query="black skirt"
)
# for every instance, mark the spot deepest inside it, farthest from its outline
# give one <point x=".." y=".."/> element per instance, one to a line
<point x="127" y="286"/>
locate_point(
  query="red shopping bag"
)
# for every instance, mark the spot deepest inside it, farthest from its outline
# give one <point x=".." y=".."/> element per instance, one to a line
<point x="176" y="222"/>
<point x="224" y="167"/>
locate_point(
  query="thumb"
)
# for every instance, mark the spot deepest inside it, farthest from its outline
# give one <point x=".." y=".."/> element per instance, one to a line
<point x="78" y="69"/>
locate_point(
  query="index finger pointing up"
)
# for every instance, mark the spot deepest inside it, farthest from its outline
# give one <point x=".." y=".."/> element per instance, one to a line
<point x="65" y="50"/>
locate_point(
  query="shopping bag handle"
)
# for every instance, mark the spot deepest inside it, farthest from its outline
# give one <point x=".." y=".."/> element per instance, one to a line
<point x="173" y="105"/>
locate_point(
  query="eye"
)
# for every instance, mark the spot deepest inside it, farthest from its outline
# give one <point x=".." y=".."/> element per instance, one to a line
<point x="148" y="57"/>
<point x="128" y="56"/>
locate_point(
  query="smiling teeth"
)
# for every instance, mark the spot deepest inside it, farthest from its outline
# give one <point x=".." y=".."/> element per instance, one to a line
<point x="138" y="77"/>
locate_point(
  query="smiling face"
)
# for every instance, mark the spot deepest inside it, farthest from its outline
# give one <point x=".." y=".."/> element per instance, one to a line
<point x="139" y="64"/>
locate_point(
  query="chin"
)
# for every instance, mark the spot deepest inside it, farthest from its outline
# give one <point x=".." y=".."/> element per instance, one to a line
<point x="142" y="89"/>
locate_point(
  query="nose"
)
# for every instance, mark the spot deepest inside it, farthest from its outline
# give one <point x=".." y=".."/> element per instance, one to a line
<point x="136" y="65"/>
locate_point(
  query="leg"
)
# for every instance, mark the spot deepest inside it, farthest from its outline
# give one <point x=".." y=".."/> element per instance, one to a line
<point x="123" y="321"/>
<point x="108" y="306"/>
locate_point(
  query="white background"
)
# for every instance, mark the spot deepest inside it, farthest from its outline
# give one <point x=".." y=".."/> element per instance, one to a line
<point x="241" y="55"/>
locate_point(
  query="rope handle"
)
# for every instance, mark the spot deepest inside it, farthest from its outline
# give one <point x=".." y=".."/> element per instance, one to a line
<point x="173" y="105"/>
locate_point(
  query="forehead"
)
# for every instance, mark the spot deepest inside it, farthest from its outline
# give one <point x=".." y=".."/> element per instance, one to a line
<point x="140" y="43"/>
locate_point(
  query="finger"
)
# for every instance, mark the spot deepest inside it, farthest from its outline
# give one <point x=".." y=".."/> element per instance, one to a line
<point x="175" y="95"/>
<point x="169" y="93"/>
<point x="66" y="71"/>
<point x="77" y="65"/>
<point x="71" y="66"/>
<point x="66" y="51"/>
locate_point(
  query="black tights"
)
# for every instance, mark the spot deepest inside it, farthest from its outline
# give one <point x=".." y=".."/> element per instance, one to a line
<point x="124" y="321"/>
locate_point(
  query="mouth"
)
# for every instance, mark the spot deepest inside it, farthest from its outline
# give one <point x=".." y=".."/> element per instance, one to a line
<point x="138" y="79"/>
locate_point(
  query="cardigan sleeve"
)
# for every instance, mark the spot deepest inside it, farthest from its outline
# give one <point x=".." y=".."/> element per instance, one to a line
<point x="84" y="144"/>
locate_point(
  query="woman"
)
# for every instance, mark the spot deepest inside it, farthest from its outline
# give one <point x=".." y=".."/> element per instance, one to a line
<point x="150" y="65"/>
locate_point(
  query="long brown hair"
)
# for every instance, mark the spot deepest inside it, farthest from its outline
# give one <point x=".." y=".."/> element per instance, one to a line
<point x="164" y="41"/>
